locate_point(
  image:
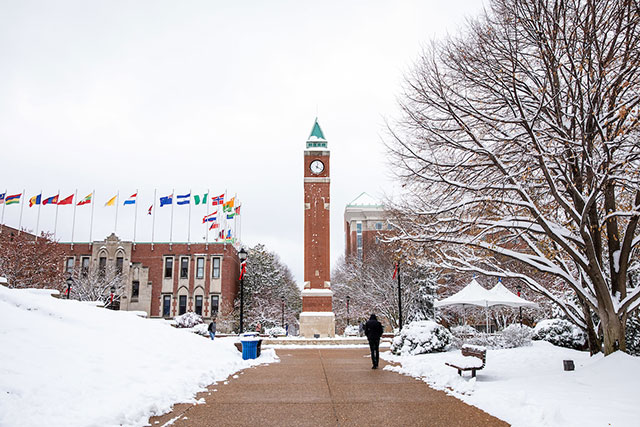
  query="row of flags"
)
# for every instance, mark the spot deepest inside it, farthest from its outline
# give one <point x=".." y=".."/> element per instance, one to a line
<point x="181" y="199"/>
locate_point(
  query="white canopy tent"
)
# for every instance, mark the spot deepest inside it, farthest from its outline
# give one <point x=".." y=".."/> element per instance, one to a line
<point x="475" y="295"/>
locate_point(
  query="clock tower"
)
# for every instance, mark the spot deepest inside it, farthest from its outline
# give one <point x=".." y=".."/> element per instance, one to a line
<point x="317" y="314"/>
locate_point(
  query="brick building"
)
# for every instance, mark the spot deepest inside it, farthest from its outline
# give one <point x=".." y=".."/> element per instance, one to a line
<point x="163" y="279"/>
<point x="364" y="222"/>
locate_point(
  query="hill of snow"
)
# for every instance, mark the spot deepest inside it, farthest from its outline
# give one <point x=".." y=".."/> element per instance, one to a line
<point x="68" y="363"/>
<point x="527" y="386"/>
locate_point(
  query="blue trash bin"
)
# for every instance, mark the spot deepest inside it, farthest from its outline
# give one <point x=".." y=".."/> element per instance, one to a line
<point x="249" y="349"/>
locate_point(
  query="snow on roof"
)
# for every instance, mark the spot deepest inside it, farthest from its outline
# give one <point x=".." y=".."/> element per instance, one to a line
<point x="364" y="199"/>
<point x="475" y="294"/>
<point x="500" y="293"/>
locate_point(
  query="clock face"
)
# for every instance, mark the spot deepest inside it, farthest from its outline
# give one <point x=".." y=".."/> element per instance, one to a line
<point x="316" y="167"/>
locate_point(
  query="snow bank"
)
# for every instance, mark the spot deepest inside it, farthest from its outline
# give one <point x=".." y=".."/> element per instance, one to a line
<point x="527" y="386"/>
<point x="67" y="363"/>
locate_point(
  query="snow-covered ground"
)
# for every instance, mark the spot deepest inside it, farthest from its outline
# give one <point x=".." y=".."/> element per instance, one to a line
<point x="527" y="386"/>
<point x="67" y="363"/>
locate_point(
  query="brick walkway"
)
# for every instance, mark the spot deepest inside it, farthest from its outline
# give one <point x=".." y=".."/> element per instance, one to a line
<point x="325" y="387"/>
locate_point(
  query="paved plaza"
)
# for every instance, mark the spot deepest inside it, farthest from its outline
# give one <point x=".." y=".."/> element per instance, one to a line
<point x="325" y="387"/>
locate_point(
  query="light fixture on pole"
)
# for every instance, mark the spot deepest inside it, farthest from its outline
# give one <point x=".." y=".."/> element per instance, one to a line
<point x="69" y="284"/>
<point x="348" y="299"/>
<point x="396" y="272"/>
<point x="242" y="256"/>
<point x="282" y="298"/>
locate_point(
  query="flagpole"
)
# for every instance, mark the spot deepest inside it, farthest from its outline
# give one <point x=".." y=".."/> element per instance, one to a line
<point x="55" y="223"/>
<point x="38" y="220"/>
<point x="153" y="216"/>
<point x="115" y="229"/>
<point x="135" y="220"/>
<point x="93" y="204"/>
<point x="3" y="206"/>
<point x="235" y="223"/>
<point x="73" y="222"/>
<point x="173" y="190"/>
<point x="206" y="241"/>
<point x="23" y="197"/>
<point x="189" y="228"/>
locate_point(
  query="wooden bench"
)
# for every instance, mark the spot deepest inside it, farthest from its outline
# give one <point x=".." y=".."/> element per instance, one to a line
<point x="473" y="359"/>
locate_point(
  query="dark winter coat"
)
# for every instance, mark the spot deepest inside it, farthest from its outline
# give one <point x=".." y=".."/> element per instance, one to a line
<point x="212" y="327"/>
<point x="373" y="329"/>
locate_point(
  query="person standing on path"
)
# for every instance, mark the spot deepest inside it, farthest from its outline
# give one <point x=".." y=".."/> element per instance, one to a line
<point x="212" y="329"/>
<point x="373" y="331"/>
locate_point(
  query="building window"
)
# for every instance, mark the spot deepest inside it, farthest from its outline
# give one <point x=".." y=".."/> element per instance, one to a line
<point x="215" y="269"/>
<point x="85" y="266"/>
<point x="378" y="226"/>
<point x="199" y="304"/>
<point x="119" y="263"/>
<point x="68" y="268"/>
<point x="168" y="267"/>
<point x="166" y="306"/>
<point x="182" y="304"/>
<point x="135" y="289"/>
<point x="359" y="227"/>
<point x="102" y="265"/>
<point x="215" y="302"/>
<point x="200" y="268"/>
<point x="184" y="267"/>
<point x="359" y="241"/>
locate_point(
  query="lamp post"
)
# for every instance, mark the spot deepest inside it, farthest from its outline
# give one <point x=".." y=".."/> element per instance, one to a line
<point x="69" y="284"/>
<point x="113" y="291"/>
<point x="519" y="289"/>
<point x="348" y="299"/>
<point x="397" y="272"/>
<point x="282" y="298"/>
<point x="242" y="256"/>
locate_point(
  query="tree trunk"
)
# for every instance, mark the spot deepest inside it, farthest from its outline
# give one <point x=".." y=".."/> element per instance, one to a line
<point x="614" y="337"/>
<point x="592" y="337"/>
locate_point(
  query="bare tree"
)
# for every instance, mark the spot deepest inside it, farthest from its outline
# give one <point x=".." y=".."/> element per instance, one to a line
<point x="520" y="141"/>
<point x="27" y="262"/>
<point x="371" y="288"/>
<point x="106" y="286"/>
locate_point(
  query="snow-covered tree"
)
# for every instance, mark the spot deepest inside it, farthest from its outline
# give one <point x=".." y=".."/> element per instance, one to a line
<point x="266" y="282"/>
<point x="371" y="288"/>
<point x="27" y="262"/>
<point x="520" y="141"/>
<point x="97" y="285"/>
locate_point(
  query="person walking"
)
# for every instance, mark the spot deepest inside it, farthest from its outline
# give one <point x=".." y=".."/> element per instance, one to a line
<point x="373" y="331"/>
<point x="212" y="329"/>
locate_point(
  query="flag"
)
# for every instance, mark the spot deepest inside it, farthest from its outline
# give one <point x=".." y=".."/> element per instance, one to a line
<point x="214" y="225"/>
<point x="229" y="235"/>
<point x="35" y="200"/>
<point x="150" y="207"/>
<point x="2" y="196"/>
<point x="53" y="200"/>
<point x="395" y="271"/>
<point x="86" y="200"/>
<point x="243" y="269"/>
<point x="13" y="199"/>
<point x="131" y="200"/>
<point x="112" y="201"/>
<point x="217" y="200"/>
<point x="227" y="206"/>
<point x="230" y="216"/>
<point x="167" y="200"/>
<point x="66" y="201"/>
<point x="200" y="199"/>
<point x="210" y="217"/>
<point x="237" y="210"/>
<point x="183" y="199"/>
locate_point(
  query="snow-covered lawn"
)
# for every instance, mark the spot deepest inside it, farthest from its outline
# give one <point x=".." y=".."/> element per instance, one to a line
<point x="67" y="363"/>
<point x="527" y="386"/>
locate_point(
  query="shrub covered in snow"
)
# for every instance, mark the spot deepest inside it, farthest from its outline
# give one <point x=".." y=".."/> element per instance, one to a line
<point x="420" y="337"/>
<point x="351" y="331"/>
<point x="276" y="331"/>
<point x="188" y="320"/>
<point x="632" y="334"/>
<point x="560" y="332"/>
<point x="515" y="336"/>
<point x="463" y="331"/>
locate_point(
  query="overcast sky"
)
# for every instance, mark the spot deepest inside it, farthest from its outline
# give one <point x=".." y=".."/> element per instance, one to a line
<point x="196" y="95"/>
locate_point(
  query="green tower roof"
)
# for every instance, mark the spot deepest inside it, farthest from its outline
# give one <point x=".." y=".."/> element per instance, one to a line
<point x="316" y="139"/>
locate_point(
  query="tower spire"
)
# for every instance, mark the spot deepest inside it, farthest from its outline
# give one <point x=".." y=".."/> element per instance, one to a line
<point x="316" y="138"/>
